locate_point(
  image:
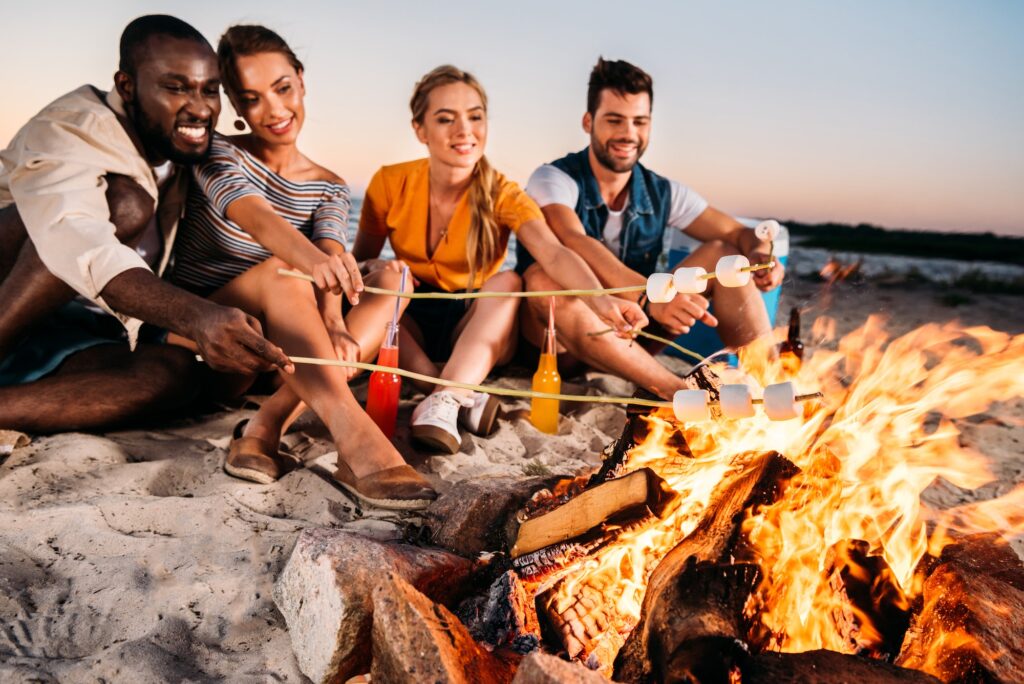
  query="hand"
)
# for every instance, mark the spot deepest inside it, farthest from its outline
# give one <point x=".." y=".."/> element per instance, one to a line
<point x="768" y="278"/>
<point x="339" y="273"/>
<point x="622" y="315"/>
<point x="346" y="348"/>
<point x="231" y="341"/>
<point x="373" y="265"/>
<point x="679" y="315"/>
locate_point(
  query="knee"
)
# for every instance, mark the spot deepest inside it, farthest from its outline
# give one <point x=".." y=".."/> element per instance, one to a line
<point x="131" y="207"/>
<point x="273" y="283"/>
<point x="506" y="281"/>
<point x="387" y="279"/>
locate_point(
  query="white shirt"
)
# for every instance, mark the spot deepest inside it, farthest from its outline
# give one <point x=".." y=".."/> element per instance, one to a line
<point x="550" y="185"/>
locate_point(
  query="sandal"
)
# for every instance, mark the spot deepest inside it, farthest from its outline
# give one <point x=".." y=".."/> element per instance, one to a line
<point x="254" y="459"/>
<point x="398" y="488"/>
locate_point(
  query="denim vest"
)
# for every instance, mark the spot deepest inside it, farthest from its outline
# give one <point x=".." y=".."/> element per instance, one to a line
<point x="643" y="221"/>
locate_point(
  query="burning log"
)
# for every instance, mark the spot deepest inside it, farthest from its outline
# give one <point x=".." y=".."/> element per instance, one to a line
<point x="479" y="515"/>
<point x="968" y="629"/>
<point x="323" y="595"/>
<point x="636" y="495"/>
<point x="505" y="618"/>
<point x="825" y="667"/>
<point x="416" y="640"/>
<point x="678" y="625"/>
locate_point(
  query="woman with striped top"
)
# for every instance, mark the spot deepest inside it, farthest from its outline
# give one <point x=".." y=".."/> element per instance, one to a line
<point x="258" y="205"/>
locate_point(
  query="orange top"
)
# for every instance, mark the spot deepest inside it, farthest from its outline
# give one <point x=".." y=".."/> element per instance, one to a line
<point x="397" y="205"/>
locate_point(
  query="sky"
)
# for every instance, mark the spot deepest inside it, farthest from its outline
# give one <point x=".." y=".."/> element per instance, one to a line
<point x="891" y="112"/>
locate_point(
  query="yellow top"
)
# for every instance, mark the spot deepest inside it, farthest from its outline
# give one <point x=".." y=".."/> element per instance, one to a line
<point x="397" y="205"/>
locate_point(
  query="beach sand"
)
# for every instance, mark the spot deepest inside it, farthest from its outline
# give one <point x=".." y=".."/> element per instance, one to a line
<point x="132" y="556"/>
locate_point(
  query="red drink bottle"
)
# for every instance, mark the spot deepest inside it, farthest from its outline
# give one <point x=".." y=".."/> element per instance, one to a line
<point x="384" y="389"/>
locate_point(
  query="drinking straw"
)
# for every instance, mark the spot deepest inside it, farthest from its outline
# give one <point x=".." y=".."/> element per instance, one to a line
<point x="551" y="326"/>
<point x="393" y="328"/>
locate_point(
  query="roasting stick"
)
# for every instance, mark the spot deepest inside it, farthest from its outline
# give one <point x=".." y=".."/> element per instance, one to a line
<point x="657" y="338"/>
<point x="538" y="293"/>
<point x="505" y="391"/>
<point x="479" y="295"/>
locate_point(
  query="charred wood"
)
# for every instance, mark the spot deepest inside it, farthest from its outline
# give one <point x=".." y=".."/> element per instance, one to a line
<point x="825" y="667"/>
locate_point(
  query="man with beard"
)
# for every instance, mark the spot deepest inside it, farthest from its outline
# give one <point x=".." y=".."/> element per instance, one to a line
<point x="91" y="190"/>
<point x="610" y="209"/>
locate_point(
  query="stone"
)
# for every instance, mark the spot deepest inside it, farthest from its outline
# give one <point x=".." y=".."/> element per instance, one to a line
<point x="324" y="594"/>
<point x="541" y="668"/>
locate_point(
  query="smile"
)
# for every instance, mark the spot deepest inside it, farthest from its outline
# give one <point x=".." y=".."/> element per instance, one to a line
<point x="193" y="134"/>
<point x="281" y="126"/>
<point x="623" y="148"/>
<point x="464" y="148"/>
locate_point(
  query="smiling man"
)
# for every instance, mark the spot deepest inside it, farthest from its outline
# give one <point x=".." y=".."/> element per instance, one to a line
<point x="612" y="211"/>
<point x="91" y="190"/>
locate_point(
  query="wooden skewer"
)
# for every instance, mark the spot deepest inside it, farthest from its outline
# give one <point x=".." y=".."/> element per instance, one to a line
<point x="480" y="295"/>
<point x="652" y="336"/>
<point x="504" y="391"/>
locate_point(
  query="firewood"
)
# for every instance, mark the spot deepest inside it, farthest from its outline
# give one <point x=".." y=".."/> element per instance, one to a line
<point x="825" y="667"/>
<point x="673" y="613"/>
<point x="633" y="495"/>
<point x="479" y="515"/>
<point x="969" y="626"/>
<point x="540" y="668"/>
<point x="323" y="594"/>
<point x="416" y="640"/>
<point x="505" y="617"/>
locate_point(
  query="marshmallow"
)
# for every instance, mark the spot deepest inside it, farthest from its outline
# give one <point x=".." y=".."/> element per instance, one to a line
<point x="691" y="405"/>
<point x="660" y="288"/>
<point x="767" y="230"/>
<point x="735" y="401"/>
<point x="690" y="280"/>
<point x="730" y="273"/>
<point x="780" y="402"/>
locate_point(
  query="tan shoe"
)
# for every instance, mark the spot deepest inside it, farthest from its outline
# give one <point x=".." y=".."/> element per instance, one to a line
<point x="254" y="459"/>
<point x="399" y="488"/>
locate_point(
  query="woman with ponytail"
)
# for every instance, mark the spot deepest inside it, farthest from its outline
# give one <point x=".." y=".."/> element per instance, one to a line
<point x="449" y="217"/>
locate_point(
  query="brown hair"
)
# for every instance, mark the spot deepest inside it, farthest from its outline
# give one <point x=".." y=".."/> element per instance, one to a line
<point x="482" y="242"/>
<point x="619" y="76"/>
<point x="242" y="40"/>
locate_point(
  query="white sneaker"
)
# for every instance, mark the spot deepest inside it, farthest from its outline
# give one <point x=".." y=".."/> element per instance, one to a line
<point x="479" y="416"/>
<point x="435" y="421"/>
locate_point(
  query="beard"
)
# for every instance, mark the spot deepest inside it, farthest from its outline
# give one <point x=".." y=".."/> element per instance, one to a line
<point x="158" y="143"/>
<point x="605" y="158"/>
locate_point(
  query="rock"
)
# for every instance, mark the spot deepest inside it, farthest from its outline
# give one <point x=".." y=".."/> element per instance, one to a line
<point x="479" y="515"/>
<point x="324" y="594"/>
<point x="541" y="668"/>
<point x="416" y="641"/>
<point x="968" y="628"/>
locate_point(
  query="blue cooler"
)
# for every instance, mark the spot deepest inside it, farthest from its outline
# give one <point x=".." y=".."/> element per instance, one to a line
<point x="703" y="339"/>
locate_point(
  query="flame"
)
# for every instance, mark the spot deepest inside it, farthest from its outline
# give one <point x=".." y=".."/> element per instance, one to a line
<point x="882" y="433"/>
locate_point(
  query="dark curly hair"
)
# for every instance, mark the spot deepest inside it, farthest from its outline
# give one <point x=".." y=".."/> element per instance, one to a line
<point x="619" y="76"/>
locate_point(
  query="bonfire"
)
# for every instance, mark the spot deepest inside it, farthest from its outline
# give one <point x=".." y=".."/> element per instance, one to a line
<point x="751" y="549"/>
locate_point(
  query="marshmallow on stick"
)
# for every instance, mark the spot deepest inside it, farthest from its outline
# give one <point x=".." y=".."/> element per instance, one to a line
<point x="660" y="288"/>
<point x="736" y="401"/>
<point x="767" y="230"/>
<point x="732" y="271"/>
<point x="690" y="280"/>
<point x="691" y="405"/>
<point x="780" y="402"/>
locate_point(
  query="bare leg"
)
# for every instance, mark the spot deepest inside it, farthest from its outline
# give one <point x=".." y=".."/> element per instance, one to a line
<point x="486" y="335"/>
<point x="101" y="387"/>
<point x="411" y="356"/>
<point x="366" y="322"/>
<point x="27" y="289"/>
<point x="742" y="317"/>
<point x="292" y="321"/>
<point x="573" y="320"/>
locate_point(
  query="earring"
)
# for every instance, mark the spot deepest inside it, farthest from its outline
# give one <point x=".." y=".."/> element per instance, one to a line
<point x="239" y="125"/>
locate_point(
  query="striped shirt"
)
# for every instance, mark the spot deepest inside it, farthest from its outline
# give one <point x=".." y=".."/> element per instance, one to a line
<point x="212" y="250"/>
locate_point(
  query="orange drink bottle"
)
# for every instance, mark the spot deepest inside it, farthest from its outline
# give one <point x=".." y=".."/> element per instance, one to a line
<point x="791" y="351"/>
<point x="544" y="412"/>
<point x="384" y="390"/>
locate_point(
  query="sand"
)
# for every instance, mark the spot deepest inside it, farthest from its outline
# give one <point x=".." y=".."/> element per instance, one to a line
<point x="132" y="556"/>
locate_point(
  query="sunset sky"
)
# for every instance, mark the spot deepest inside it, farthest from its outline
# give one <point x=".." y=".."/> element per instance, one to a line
<point x="902" y="114"/>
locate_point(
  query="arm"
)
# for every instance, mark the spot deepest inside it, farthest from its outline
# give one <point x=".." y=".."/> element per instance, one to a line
<point x="566" y="226"/>
<point x="713" y="224"/>
<point x="571" y="272"/>
<point x="228" y="339"/>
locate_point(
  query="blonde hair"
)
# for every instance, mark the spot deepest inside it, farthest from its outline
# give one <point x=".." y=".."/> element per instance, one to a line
<point x="482" y="242"/>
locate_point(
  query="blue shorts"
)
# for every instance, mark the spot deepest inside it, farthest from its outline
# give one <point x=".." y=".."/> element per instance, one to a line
<point x="71" y="329"/>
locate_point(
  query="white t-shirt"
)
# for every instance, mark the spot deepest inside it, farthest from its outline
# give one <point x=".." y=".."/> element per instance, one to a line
<point x="550" y="185"/>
